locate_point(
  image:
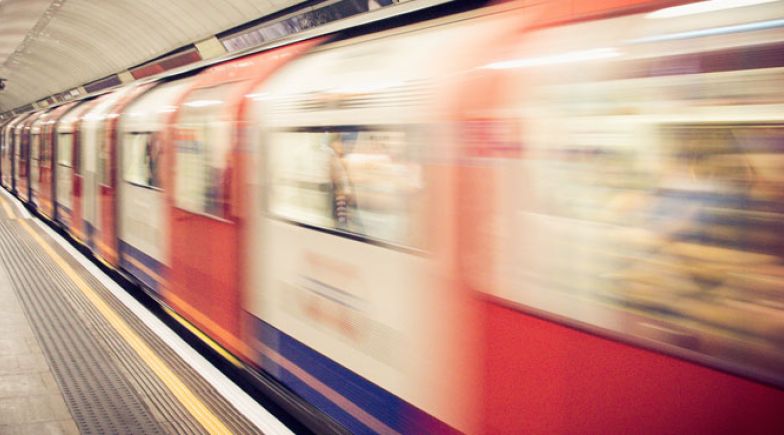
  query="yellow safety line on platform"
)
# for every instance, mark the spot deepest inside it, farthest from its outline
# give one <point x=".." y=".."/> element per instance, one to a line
<point x="203" y="337"/>
<point x="188" y="399"/>
<point x="200" y="317"/>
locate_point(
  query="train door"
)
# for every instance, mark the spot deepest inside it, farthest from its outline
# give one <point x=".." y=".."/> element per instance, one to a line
<point x="204" y="229"/>
<point x="8" y="151"/>
<point x="141" y="206"/>
<point x="36" y="157"/>
<point x="16" y="149"/>
<point x="20" y="158"/>
<point x="47" y="182"/>
<point x="32" y="147"/>
<point x="205" y="222"/>
<point x="24" y="190"/>
<point x="90" y="131"/>
<point x="94" y="172"/>
<point x="106" y="217"/>
<point x="3" y="145"/>
<point x="68" y="183"/>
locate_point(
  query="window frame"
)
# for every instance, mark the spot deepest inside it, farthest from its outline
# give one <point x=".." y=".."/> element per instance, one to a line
<point x="149" y="134"/>
<point x="70" y="163"/>
<point x="33" y="154"/>
<point x="413" y="133"/>
<point x="228" y="89"/>
<point x="103" y="166"/>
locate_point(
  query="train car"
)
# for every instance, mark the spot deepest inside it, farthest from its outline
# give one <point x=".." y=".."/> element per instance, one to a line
<point x="143" y="231"/>
<point x="25" y="157"/>
<point x="38" y="157"/>
<point x="10" y="147"/>
<point x="622" y="187"/>
<point x="106" y="236"/>
<point x="95" y="178"/>
<point x="5" y="151"/>
<point x="68" y="164"/>
<point x="204" y="216"/>
<point x="16" y="152"/>
<point x="46" y="186"/>
<point x="6" y="168"/>
<point x="351" y="250"/>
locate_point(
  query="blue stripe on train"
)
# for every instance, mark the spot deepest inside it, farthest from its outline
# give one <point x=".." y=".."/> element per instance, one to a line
<point x="127" y="250"/>
<point x="393" y="411"/>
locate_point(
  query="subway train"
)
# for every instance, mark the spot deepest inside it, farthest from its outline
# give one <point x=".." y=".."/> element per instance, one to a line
<point x="531" y="217"/>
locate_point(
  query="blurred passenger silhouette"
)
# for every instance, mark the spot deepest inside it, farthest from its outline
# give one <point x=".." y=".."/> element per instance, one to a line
<point x="341" y="191"/>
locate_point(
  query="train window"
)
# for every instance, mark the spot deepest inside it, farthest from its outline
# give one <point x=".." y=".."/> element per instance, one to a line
<point x="202" y="143"/>
<point x="20" y="145"/>
<point x="24" y="150"/>
<point x="104" y="162"/>
<point x="712" y="260"/>
<point x="4" y="152"/>
<point x="35" y="147"/>
<point x="65" y="149"/>
<point x="681" y="242"/>
<point x="141" y="159"/>
<point x="17" y="142"/>
<point x="8" y="149"/>
<point x="353" y="180"/>
<point x="46" y="152"/>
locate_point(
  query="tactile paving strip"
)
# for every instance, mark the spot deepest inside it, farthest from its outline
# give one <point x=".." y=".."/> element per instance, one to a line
<point x="97" y="395"/>
<point x="108" y="388"/>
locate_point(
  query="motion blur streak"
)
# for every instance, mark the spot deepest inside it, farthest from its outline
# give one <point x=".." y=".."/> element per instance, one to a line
<point x="750" y="27"/>
<point x="704" y="6"/>
<point x="531" y="217"/>
<point x="575" y="56"/>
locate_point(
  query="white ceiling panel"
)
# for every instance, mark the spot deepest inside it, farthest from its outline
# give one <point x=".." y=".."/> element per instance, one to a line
<point x="49" y="46"/>
<point x="17" y="18"/>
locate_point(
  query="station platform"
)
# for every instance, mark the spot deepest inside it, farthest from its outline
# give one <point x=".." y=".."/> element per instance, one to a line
<point x="80" y="355"/>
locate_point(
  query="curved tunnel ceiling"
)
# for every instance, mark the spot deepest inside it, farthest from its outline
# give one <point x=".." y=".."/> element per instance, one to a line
<point x="49" y="46"/>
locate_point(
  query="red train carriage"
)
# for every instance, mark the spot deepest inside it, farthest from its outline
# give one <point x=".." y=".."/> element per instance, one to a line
<point x="622" y="223"/>
<point x="47" y="185"/>
<point x="142" y="210"/>
<point x="25" y="157"/>
<point x="206" y="173"/>
<point x="38" y="158"/>
<point x="4" y="144"/>
<point x="95" y="172"/>
<point x="351" y="208"/>
<point x="14" y="141"/>
<point x="7" y="151"/>
<point x="106" y="237"/>
<point x="68" y="185"/>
